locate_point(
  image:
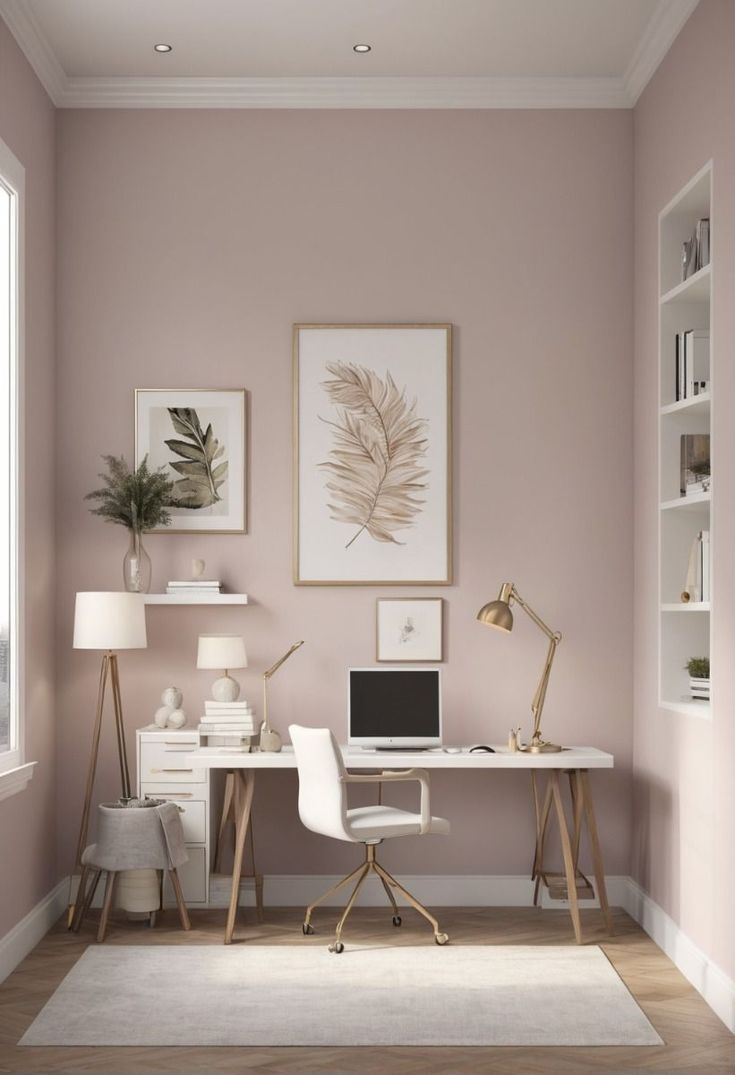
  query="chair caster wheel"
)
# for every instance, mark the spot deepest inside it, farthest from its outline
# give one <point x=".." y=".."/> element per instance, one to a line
<point x="307" y="929"/>
<point x="397" y="920"/>
<point x="441" y="938"/>
<point x="337" y="947"/>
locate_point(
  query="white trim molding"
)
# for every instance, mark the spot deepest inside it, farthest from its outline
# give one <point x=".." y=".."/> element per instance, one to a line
<point x="716" y="988"/>
<point x="620" y="91"/>
<point x="24" y="936"/>
<point x="14" y="780"/>
<point x="664" y="26"/>
<point x="27" y="31"/>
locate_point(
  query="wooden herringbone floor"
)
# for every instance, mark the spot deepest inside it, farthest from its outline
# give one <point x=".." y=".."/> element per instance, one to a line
<point x="697" y="1043"/>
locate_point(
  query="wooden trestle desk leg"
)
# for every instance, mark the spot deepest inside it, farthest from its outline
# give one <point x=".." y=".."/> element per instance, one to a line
<point x="582" y="812"/>
<point x="566" y="847"/>
<point x="597" y="863"/>
<point x="228" y="814"/>
<point x="243" y="799"/>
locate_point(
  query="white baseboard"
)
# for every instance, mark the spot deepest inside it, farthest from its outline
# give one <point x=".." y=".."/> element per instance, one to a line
<point x="436" y="890"/>
<point x="24" y="936"/>
<point x="717" y="989"/>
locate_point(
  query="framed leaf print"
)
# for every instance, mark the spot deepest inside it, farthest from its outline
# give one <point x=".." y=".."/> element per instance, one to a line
<point x="372" y="454"/>
<point x="198" y="435"/>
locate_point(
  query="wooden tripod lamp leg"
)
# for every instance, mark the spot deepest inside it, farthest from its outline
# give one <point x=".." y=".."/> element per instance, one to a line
<point x="91" y="771"/>
<point x="119" y="727"/>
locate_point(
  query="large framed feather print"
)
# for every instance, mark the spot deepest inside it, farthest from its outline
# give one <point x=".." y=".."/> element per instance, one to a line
<point x="372" y="454"/>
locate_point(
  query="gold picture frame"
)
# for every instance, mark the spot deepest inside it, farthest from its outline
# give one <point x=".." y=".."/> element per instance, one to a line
<point x="233" y="403"/>
<point x="421" y="351"/>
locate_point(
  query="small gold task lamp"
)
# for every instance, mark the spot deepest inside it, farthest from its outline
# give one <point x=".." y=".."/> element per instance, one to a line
<point x="270" y="740"/>
<point x="498" y="614"/>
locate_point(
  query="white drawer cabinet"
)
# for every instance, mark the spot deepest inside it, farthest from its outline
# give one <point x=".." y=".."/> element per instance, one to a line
<point x="162" y="774"/>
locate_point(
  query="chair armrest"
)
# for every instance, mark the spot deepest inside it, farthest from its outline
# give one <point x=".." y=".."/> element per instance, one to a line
<point x="394" y="776"/>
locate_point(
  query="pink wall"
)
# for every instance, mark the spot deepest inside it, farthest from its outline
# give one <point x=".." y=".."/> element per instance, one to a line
<point x="27" y="837"/>
<point x="190" y="241"/>
<point x="683" y="852"/>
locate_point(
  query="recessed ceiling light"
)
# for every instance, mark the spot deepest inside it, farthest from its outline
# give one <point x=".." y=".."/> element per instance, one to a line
<point x="361" y="48"/>
<point x="163" y="48"/>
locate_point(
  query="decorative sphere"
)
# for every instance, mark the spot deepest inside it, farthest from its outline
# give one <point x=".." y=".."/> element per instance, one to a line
<point x="172" y="697"/>
<point x="177" y="719"/>
<point x="225" y="689"/>
<point x="161" y="716"/>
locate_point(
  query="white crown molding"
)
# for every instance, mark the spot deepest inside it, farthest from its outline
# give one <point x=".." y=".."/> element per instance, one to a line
<point x="440" y="93"/>
<point x="23" y="25"/>
<point x="667" y="20"/>
<point x="665" y="24"/>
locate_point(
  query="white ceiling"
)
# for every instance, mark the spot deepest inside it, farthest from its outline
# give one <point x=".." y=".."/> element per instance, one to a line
<point x="298" y="53"/>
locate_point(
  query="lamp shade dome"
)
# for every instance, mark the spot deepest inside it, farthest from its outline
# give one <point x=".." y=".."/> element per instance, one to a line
<point x="496" y="614"/>
<point x="109" y="621"/>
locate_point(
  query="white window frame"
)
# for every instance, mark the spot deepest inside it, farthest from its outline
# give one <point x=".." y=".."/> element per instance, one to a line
<point x="15" y="771"/>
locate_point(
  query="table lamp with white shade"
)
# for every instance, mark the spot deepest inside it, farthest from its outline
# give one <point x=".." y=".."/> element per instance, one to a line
<point x="223" y="653"/>
<point x="107" y="621"/>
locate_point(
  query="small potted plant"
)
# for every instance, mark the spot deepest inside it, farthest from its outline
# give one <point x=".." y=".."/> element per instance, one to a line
<point x="698" y="669"/>
<point x="138" y="500"/>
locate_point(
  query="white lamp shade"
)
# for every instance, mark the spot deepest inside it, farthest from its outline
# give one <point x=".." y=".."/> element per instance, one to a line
<point x="221" y="651"/>
<point x="105" y="620"/>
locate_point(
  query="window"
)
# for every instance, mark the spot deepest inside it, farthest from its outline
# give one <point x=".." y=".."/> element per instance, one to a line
<point x="14" y="775"/>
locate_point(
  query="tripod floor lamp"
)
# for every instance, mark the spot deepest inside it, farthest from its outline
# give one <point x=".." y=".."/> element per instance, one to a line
<point x="498" y="614"/>
<point x="108" y="622"/>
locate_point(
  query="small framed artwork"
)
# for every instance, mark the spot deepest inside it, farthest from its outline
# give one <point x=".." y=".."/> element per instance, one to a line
<point x="410" y="629"/>
<point x="199" y="436"/>
<point x="372" y="454"/>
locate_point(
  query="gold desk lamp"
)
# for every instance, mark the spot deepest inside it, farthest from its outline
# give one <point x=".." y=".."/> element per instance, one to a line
<point x="270" y="741"/>
<point x="498" y="614"/>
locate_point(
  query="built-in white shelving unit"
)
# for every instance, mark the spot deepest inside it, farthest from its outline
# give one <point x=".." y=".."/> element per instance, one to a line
<point x="684" y="628"/>
<point x="195" y="599"/>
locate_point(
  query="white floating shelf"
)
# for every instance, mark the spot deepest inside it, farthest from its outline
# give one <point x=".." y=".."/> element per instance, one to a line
<point x="695" y="502"/>
<point x="686" y="606"/>
<point x="195" y="599"/>
<point x="695" y="288"/>
<point x="695" y="405"/>
<point x="692" y="707"/>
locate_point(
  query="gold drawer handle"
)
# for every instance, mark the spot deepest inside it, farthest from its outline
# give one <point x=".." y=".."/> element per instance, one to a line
<point x="172" y="770"/>
<point x="173" y="795"/>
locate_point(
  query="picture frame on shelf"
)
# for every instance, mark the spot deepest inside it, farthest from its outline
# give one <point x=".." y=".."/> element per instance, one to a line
<point x="409" y="629"/>
<point x="199" y="436"/>
<point x="372" y="454"/>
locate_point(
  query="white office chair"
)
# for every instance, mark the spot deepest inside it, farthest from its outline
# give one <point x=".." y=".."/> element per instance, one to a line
<point x="323" y="782"/>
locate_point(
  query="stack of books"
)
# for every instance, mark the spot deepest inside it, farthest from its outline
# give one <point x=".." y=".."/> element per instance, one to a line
<point x="227" y="723"/>
<point x="692" y="363"/>
<point x="202" y="586"/>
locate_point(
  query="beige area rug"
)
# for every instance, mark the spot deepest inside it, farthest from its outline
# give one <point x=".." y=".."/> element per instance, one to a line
<point x="304" y="995"/>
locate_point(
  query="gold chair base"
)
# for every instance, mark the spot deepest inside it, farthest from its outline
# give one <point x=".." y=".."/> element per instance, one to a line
<point x="370" y="865"/>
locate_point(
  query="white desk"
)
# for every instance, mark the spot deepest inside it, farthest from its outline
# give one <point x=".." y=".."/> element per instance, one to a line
<point x="576" y="761"/>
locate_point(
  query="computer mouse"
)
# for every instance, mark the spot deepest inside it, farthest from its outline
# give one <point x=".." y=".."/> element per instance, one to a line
<point x="482" y="749"/>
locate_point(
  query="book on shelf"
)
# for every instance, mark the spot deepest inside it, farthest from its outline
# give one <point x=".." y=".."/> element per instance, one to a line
<point x="194" y="584"/>
<point x="213" y="718"/>
<point x="242" y="744"/>
<point x="695" y="252"/>
<point x="246" y="728"/>
<point x="692" y="363"/>
<point x="695" y="468"/>
<point x="701" y="237"/>
<point x="212" y="703"/>
<point x="704" y="564"/>
<point x="698" y="572"/>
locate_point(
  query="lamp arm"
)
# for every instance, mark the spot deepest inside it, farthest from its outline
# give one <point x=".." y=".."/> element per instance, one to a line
<point x="267" y="675"/>
<point x="515" y="596"/>
<point x="277" y="665"/>
<point x="554" y="637"/>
